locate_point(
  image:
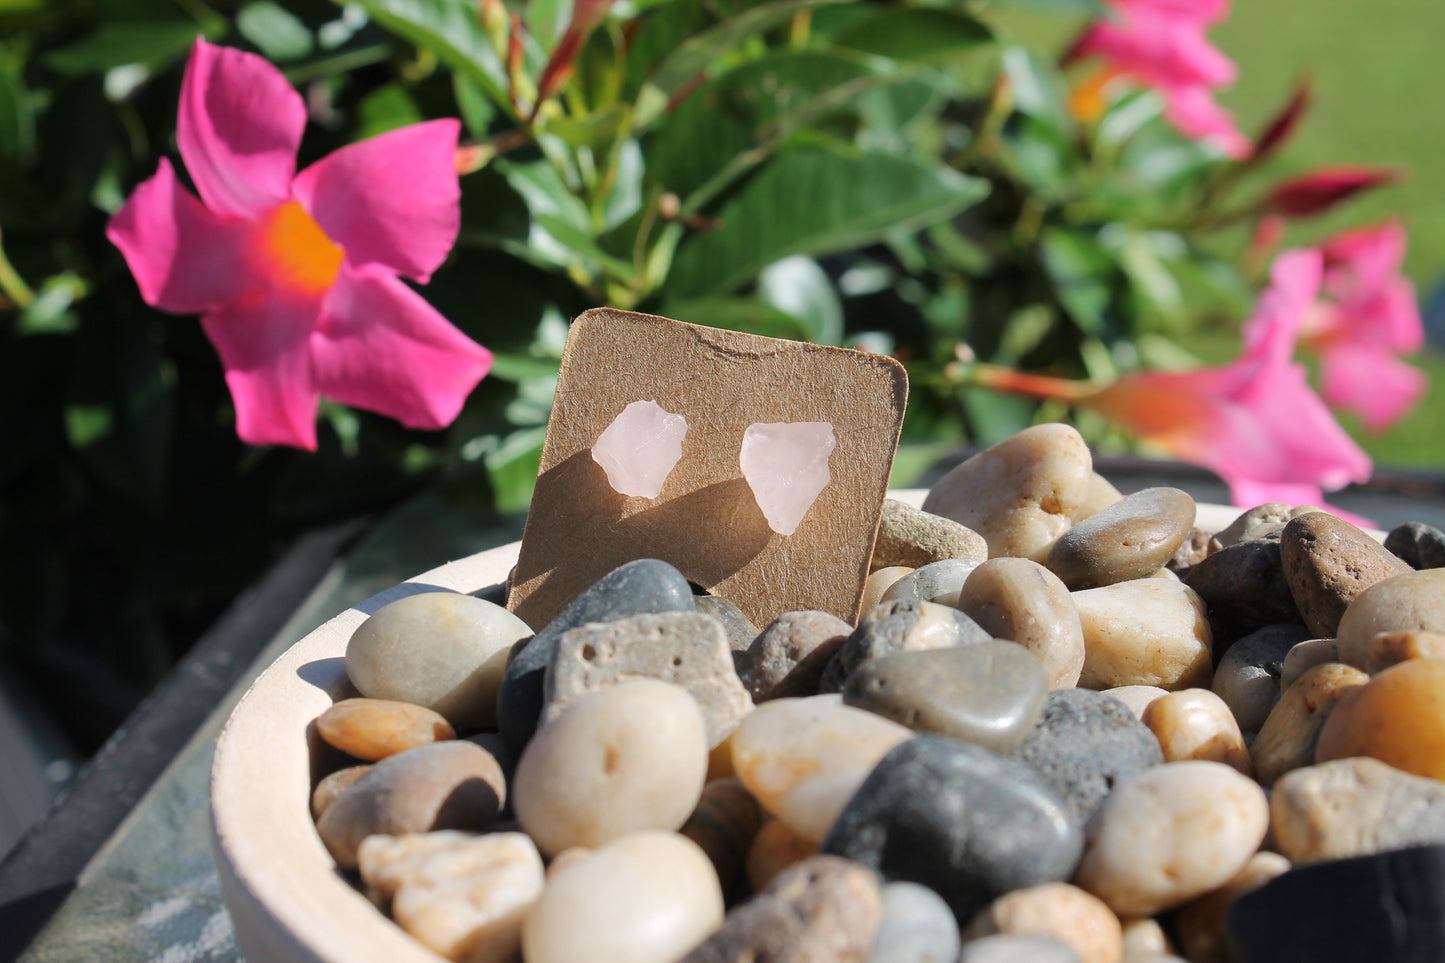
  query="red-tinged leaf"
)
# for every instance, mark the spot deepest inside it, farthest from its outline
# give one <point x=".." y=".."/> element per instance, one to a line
<point x="1284" y="124"/>
<point x="1321" y="189"/>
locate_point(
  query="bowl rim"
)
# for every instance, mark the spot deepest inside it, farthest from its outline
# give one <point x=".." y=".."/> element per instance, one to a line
<point x="260" y="795"/>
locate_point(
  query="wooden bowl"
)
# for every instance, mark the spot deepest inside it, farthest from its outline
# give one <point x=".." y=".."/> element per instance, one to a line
<point x="287" y="900"/>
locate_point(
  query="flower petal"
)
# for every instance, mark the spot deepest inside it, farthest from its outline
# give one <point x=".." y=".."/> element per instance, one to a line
<point x="239" y="126"/>
<point x="392" y="200"/>
<point x="1372" y="383"/>
<point x="264" y="344"/>
<point x="382" y="347"/>
<point x="1282" y="309"/>
<point x="185" y="259"/>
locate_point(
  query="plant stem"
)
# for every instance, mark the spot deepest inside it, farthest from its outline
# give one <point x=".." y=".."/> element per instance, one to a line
<point x="13" y="284"/>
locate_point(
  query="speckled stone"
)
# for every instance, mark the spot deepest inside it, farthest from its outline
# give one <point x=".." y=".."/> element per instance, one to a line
<point x="1327" y="563"/>
<point x="440" y="650"/>
<point x="1021" y="494"/>
<point x="445" y="785"/>
<point x="1247" y="677"/>
<point x="1417" y="544"/>
<point x="1170" y="834"/>
<point x="1389" y="906"/>
<point x="687" y="649"/>
<point x="1354" y="807"/>
<point x="1145" y="631"/>
<point x="894" y="627"/>
<point x="625" y="758"/>
<point x="1413" y="602"/>
<point x="1021" y="601"/>
<point x="988" y="693"/>
<point x="824" y="910"/>
<point x="908" y="536"/>
<point x="1004" y="948"/>
<point x="1288" y="737"/>
<point x="916" y="927"/>
<point x="1397" y="717"/>
<point x="1084" y="743"/>
<point x="639" y="587"/>
<point x="967" y="823"/>
<point x="372" y="729"/>
<point x="740" y="630"/>
<point x="1245" y="587"/>
<point x="788" y="658"/>
<point x="935" y="582"/>
<point x="726" y="820"/>
<point x="1132" y="538"/>
<point x="1059" y="911"/>
<point x="1194" y="549"/>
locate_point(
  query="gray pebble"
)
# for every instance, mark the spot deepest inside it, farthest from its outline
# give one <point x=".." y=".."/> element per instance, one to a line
<point x="963" y="821"/>
<point x="938" y="582"/>
<point x="788" y="658"/>
<point x="917" y="927"/>
<point x="641" y="586"/>
<point x="740" y="629"/>
<point x="893" y="627"/>
<point x="988" y="693"/>
<point x="1017" y="949"/>
<point x="1247" y="677"/>
<point x="1132" y="538"/>
<point x="1420" y="545"/>
<point x="1245" y="587"/>
<point x="911" y="537"/>
<point x="1084" y="743"/>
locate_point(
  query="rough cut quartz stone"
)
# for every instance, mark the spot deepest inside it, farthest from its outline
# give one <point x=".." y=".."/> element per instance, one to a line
<point x="786" y="466"/>
<point x="639" y="449"/>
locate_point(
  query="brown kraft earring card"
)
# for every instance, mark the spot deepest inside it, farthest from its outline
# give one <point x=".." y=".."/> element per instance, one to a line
<point x="705" y="521"/>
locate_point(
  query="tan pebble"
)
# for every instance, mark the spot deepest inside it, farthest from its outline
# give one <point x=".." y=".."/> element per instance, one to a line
<point x="442" y="650"/>
<point x="566" y="858"/>
<point x="465" y="900"/>
<point x="1391" y="648"/>
<point x="720" y="760"/>
<point x="1133" y="538"/>
<point x="1021" y="601"/>
<point x="774" y="849"/>
<point x="804" y="758"/>
<point x="1200" y="924"/>
<point x="1287" y="739"/>
<point x="1064" y="912"/>
<point x="332" y="786"/>
<point x="1136" y="697"/>
<point x="725" y="824"/>
<point x="1168" y="574"/>
<point x="1397" y="717"/>
<point x="1413" y="602"/>
<point x="1354" y="807"/>
<point x="373" y="729"/>
<point x="1304" y="656"/>
<point x="627" y="757"/>
<point x="1022" y="493"/>
<point x="1144" y="632"/>
<point x="1196" y="724"/>
<point x="879" y="582"/>
<point x="907" y="536"/>
<point x="1171" y="833"/>
<point x="1100" y="495"/>
<point x="648" y="897"/>
<point x="1262" y="521"/>
<point x="1142" y="937"/>
<point x="1328" y="562"/>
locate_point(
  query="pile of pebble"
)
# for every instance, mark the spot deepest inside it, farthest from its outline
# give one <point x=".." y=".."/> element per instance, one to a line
<point x="1068" y="727"/>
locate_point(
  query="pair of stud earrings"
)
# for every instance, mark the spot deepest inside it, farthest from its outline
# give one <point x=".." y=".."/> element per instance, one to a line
<point x="784" y="463"/>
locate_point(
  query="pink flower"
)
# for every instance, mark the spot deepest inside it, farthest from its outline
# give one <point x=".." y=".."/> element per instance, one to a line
<point x="296" y="275"/>
<point x="1161" y="43"/>
<point x="1255" y="421"/>
<point x="1369" y="318"/>
<point x="1321" y="189"/>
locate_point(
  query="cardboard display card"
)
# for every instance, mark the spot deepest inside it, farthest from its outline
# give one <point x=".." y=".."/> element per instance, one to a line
<point x="706" y="521"/>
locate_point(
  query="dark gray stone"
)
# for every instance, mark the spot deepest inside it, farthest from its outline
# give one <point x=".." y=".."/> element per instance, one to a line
<point x="1084" y="743"/>
<point x="1244" y="587"/>
<point x="1247" y="678"/>
<point x="893" y="627"/>
<point x="988" y="693"/>
<point x="967" y="823"/>
<point x="646" y="585"/>
<point x="1389" y="906"/>
<point x="1132" y="538"/>
<point x="1420" y="545"/>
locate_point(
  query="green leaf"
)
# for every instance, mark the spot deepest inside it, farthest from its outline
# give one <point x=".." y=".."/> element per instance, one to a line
<point x="451" y="30"/>
<point x="518" y="368"/>
<point x="915" y="33"/>
<point x="547" y="19"/>
<point x="17" y="113"/>
<point x="1039" y="157"/>
<point x="386" y="108"/>
<point x="1082" y="272"/>
<point x="702" y="52"/>
<point x="800" y="287"/>
<point x="1038" y="90"/>
<point x="812" y="200"/>
<point x="472" y="103"/>
<point x="561" y="229"/>
<point x="1090" y="8"/>
<point x="275" y="31"/>
<point x="513" y="467"/>
<point x="740" y="314"/>
<point x="119" y="44"/>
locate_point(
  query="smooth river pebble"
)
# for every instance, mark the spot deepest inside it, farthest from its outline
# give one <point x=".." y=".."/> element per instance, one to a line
<point x="893" y="627"/>
<point x="1021" y="601"/>
<point x="1413" y="602"/>
<point x="908" y="536"/>
<point x="1057" y="910"/>
<point x="1196" y="724"/>
<point x="1144" y="632"/>
<point x="917" y="927"/>
<point x="373" y="729"/>
<point x="1288" y="737"/>
<point x="1132" y="538"/>
<point x="1397" y="717"/>
<point x="1327" y="563"/>
<point x="1248" y="674"/>
<point x="1354" y="807"/>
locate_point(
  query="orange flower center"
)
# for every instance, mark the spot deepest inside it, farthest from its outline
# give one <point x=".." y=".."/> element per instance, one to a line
<point x="296" y="250"/>
<point x="1089" y="98"/>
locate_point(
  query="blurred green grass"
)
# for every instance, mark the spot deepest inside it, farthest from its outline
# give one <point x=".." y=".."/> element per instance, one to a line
<point x="1378" y="72"/>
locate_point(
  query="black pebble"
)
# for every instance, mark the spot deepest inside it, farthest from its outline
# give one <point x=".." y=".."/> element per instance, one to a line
<point x="1418" y="544"/>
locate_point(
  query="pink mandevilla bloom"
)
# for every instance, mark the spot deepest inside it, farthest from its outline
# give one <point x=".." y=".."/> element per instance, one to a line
<point x="296" y="275"/>
<point x="1161" y="44"/>
<point x="1368" y="318"/>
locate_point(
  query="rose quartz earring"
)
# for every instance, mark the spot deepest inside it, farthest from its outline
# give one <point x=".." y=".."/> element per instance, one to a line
<point x="640" y="448"/>
<point x="786" y="466"/>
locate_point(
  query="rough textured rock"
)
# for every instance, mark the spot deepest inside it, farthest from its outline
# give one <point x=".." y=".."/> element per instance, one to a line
<point x="824" y="910"/>
<point x="1021" y="601"/>
<point x="1327" y="563"/>
<point x="1132" y="538"/>
<point x="1354" y="807"/>
<point x="911" y="537"/>
<point x="789" y="656"/>
<point x="967" y="823"/>
<point x="1260" y="523"/>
